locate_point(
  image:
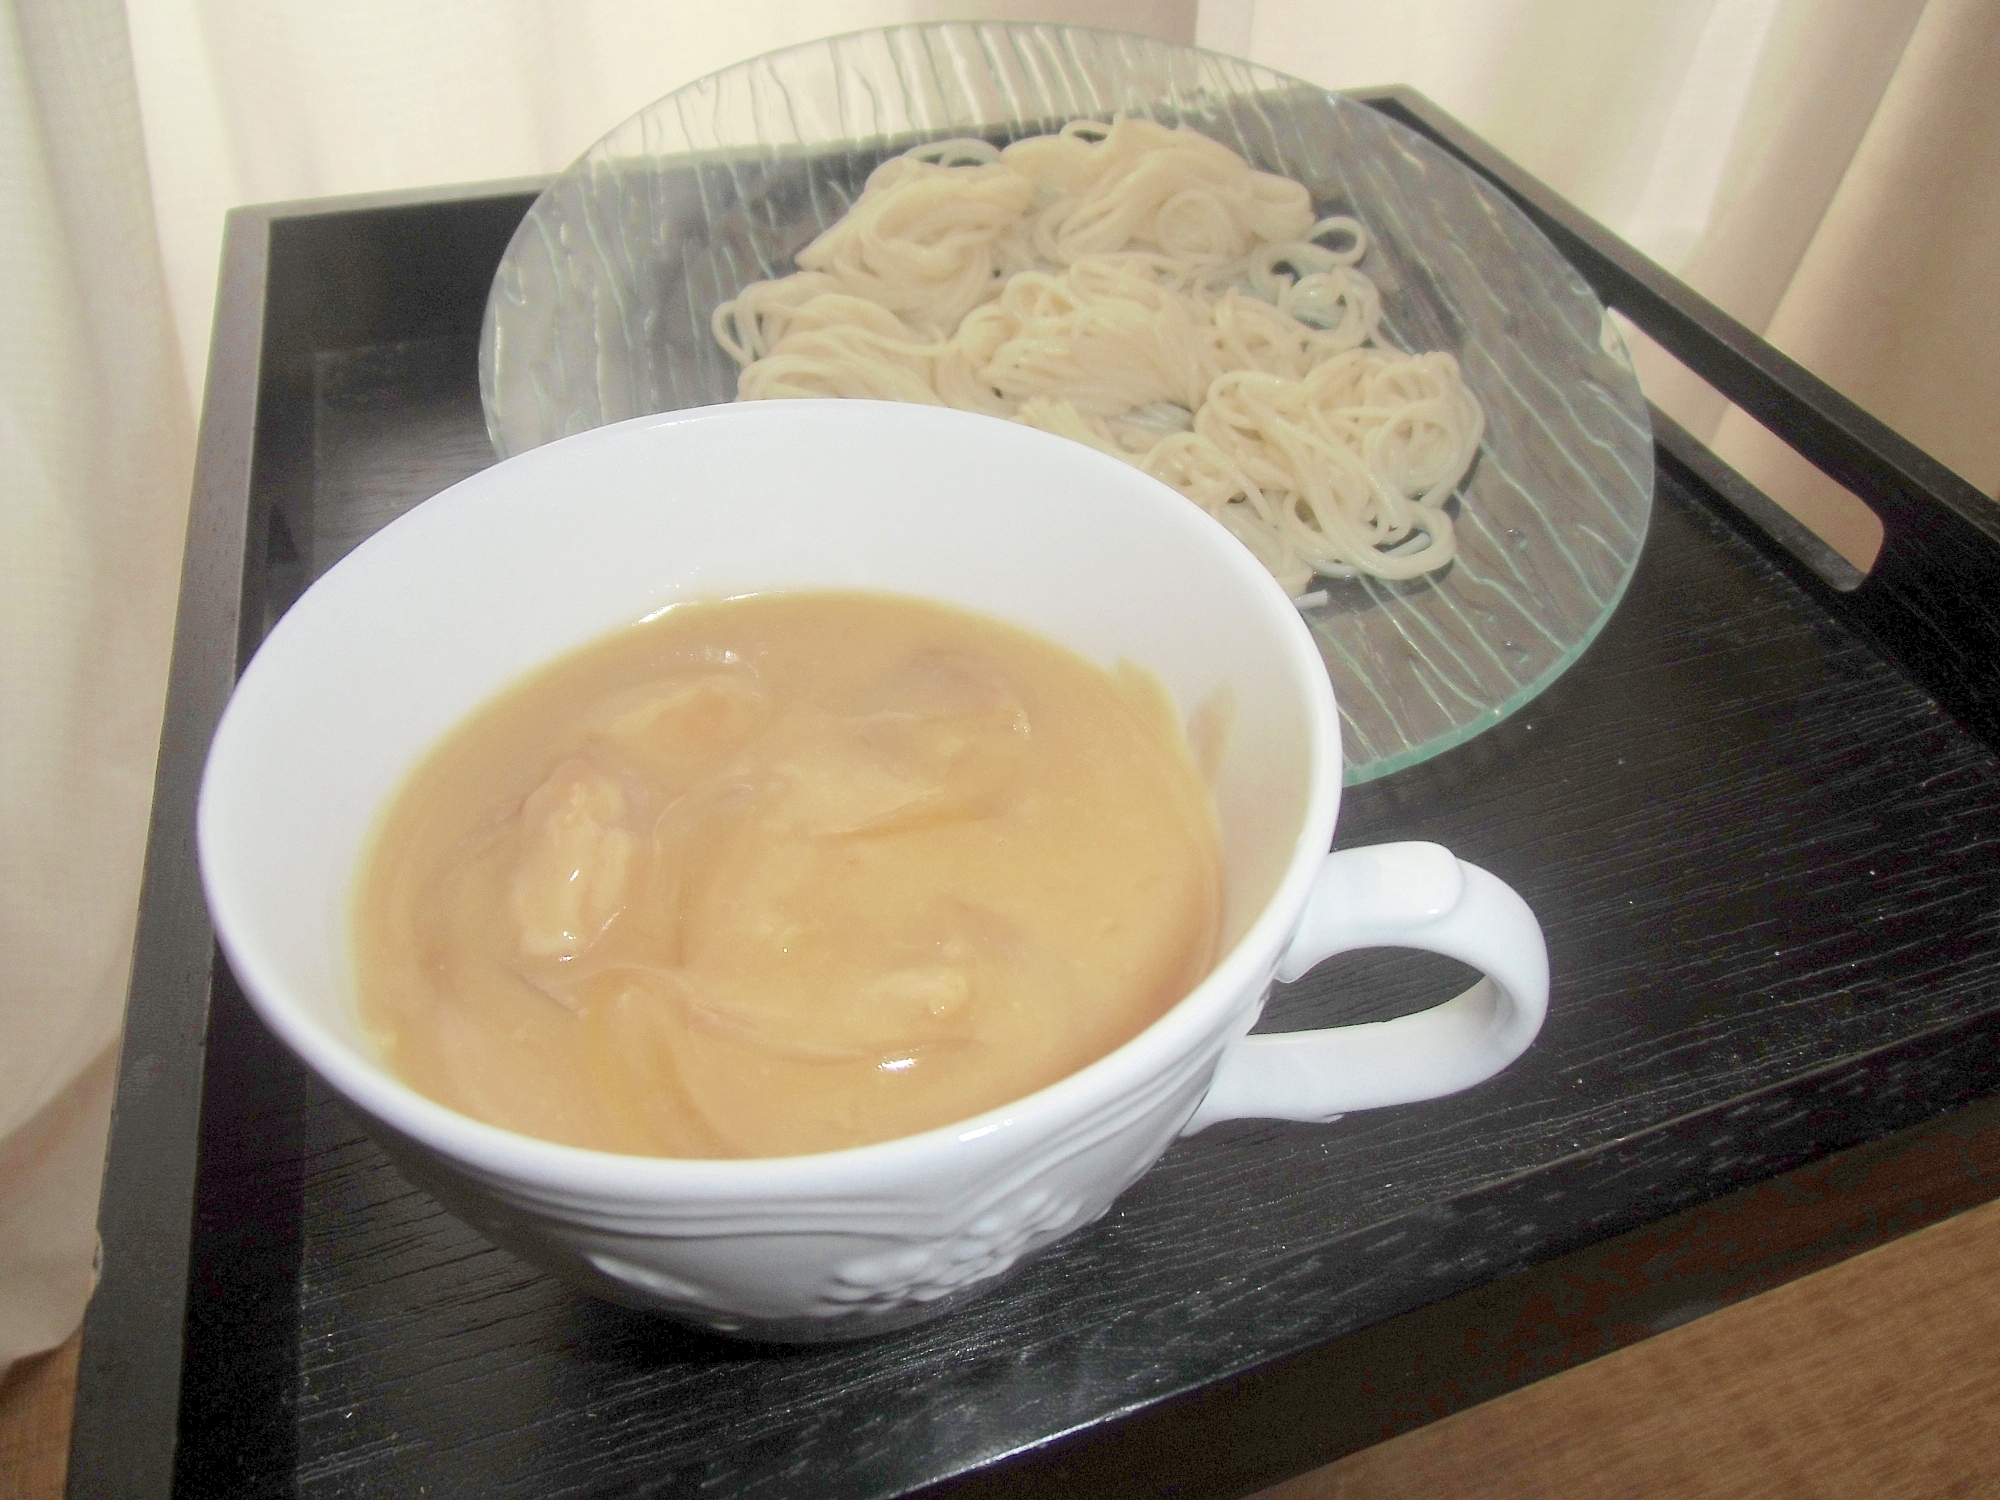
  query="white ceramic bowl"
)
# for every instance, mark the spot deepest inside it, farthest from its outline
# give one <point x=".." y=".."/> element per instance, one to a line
<point x="543" y="552"/>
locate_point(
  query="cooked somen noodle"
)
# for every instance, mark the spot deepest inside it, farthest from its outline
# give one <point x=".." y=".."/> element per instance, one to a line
<point x="1148" y="292"/>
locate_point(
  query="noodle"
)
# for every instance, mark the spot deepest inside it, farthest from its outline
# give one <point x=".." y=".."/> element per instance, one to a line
<point x="1146" y="291"/>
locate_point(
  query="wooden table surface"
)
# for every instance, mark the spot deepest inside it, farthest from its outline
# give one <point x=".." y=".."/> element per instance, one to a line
<point x="1872" y="1379"/>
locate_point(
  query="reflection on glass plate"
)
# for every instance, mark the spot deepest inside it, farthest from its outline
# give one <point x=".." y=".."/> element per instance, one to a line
<point x="600" y="311"/>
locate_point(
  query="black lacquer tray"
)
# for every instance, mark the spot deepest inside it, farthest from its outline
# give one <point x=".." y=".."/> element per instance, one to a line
<point x="1758" y="820"/>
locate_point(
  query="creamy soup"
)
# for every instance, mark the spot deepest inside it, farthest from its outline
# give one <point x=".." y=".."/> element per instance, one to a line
<point x="785" y="874"/>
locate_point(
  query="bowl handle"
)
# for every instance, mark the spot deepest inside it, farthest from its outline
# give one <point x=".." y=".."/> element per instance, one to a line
<point x="1394" y="896"/>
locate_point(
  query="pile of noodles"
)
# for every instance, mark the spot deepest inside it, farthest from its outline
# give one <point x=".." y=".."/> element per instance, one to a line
<point x="1148" y="292"/>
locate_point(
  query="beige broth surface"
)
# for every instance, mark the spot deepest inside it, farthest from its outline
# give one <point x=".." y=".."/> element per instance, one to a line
<point x="785" y="874"/>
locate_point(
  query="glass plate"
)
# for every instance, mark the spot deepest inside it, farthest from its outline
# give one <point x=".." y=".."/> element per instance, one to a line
<point x="600" y="311"/>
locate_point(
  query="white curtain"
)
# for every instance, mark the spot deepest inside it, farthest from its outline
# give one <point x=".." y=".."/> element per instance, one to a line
<point x="1895" y="299"/>
<point x="95" y="453"/>
<point x="1828" y="170"/>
